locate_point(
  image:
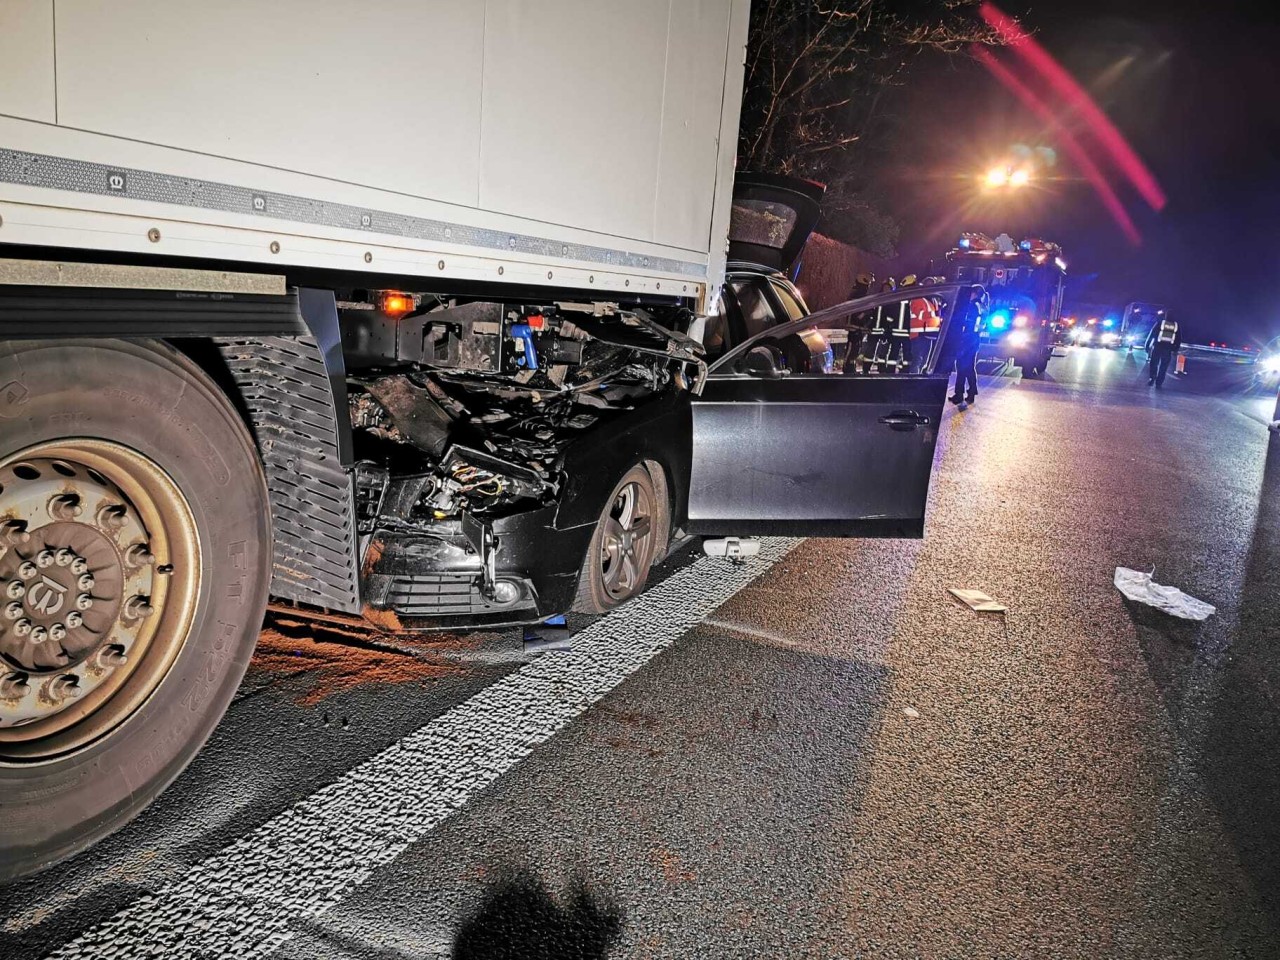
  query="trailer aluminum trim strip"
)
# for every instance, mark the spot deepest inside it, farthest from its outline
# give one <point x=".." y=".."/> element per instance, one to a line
<point x="81" y="176"/>
<point x="106" y="276"/>
<point x="248" y="900"/>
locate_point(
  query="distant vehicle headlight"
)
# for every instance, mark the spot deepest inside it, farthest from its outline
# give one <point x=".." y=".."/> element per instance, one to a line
<point x="1084" y="336"/>
<point x="1272" y="363"/>
<point x="1109" y="337"/>
<point x="1019" y="338"/>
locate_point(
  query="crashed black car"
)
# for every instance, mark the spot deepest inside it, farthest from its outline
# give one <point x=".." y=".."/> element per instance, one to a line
<point x="518" y="460"/>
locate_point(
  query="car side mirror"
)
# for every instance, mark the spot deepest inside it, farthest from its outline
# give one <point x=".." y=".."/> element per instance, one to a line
<point x="762" y="362"/>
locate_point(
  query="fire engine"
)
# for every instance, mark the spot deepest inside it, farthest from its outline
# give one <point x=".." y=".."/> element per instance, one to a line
<point x="1025" y="282"/>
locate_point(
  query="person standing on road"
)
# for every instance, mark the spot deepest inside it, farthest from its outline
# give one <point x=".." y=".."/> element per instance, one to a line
<point x="1163" y="343"/>
<point x="970" y="336"/>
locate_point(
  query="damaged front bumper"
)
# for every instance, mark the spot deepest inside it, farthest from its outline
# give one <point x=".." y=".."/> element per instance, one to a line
<point x="514" y="570"/>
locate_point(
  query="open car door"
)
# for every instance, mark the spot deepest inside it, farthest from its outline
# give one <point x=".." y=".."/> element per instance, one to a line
<point x="826" y="426"/>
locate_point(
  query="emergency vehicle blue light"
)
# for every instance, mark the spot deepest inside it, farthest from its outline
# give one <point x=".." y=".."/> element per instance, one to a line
<point x="999" y="320"/>
<point x="1025" y="245"/>
<point x="1108" y="323"/>
<point x="964" y="243"/>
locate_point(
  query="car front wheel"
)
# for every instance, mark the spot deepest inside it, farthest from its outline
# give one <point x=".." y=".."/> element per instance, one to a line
<point x="625" y="543"/>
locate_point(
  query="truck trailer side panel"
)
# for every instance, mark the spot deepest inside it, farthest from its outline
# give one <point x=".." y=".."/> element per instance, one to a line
<point x="571" y="143"/>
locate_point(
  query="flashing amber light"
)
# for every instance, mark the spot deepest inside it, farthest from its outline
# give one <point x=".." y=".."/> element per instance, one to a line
<point x="1019" y="178"/>
<point x="396" y="304"/>
<point x="1093" y="321"/>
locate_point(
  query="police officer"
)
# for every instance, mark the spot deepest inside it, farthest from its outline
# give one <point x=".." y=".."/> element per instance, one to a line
<point x="970" y="336"/>
<point x="1163" y="343"/>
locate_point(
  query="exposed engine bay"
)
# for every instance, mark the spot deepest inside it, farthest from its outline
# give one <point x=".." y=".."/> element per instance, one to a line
<point x="466" y="408"/>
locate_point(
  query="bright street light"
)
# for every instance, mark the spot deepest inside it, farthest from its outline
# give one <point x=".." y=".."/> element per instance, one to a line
<point x="998" y="177"/>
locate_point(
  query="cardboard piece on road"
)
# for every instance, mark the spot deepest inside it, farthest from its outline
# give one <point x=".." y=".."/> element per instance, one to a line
<point x="977" y="600"/>
<point x="1140" y="588"/>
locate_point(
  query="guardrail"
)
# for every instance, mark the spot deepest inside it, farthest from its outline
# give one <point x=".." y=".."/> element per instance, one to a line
<point x="1223" y="351"/>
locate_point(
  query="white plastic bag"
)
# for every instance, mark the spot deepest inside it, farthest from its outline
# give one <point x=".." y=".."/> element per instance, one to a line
<point x="1139" y="587"/>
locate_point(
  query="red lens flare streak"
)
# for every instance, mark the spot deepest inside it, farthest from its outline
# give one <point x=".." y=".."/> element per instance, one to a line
<point x="1039" y="59"/>
<point x="1070" y="144"/>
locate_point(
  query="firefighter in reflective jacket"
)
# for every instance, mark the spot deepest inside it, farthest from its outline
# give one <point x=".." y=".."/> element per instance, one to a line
<point x="899" y="326"/>
<point x="875" y="343"/>
<point x="1163" y="344"/>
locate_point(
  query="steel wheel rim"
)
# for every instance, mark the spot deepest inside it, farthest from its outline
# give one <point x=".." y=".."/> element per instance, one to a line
<point x="626" y="547"/>
<point x="99" y="520"/>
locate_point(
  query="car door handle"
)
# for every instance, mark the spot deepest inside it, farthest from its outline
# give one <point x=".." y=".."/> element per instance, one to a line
<point x="905" y="420"/>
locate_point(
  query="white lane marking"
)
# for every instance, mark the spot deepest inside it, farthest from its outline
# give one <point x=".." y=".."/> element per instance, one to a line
<point x="299" y="865"/>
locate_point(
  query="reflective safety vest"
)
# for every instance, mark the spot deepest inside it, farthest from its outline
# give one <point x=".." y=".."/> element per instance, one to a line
<point x="901" y="325"/>
<point x="924" y="317"/>
<point x="1168" y="331"/>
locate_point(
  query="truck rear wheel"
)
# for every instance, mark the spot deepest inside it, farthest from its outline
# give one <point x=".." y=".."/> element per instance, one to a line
<point x="628" y="537"/>
<point x="134" y="566"/>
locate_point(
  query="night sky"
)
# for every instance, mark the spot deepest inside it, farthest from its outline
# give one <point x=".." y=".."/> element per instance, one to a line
<point x="1196" y="91"/>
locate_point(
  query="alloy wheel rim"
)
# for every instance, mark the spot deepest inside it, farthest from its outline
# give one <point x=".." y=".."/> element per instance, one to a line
<point x="100" y="568"/>
<point x="626" y="549"/>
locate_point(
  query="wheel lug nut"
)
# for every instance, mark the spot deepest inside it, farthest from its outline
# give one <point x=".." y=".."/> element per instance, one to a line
<point x="63" y="557"/>
<point x="74" y="619"/>
<point x="114" y="516"/>
<point x="84" y="601"/>
<point x="44" y="559"/>
<point x="79" y="565"/>
<point x="27" y="570"/>
<point x="39" y="634"/>
<point x="57" y="632"/>
<point x="13" y="610"/>
<point x="85" y="582"/>
<point x="13" y="687"/>
<point x="113" y="656"/>
<point x="65" y="506"/>
<point x="14" y="533"/>
<point x="65" y="687"/>
<point x="139" y="555"/>
<point x="15" y="590"/>
<point x="22" y="628"/>
<point x="138" y="606"/>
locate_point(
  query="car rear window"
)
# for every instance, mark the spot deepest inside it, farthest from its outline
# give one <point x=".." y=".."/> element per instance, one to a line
<point x="761" y="222"/>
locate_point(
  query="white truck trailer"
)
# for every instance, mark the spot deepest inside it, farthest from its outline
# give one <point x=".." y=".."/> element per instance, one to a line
<point x="385" y="308"/>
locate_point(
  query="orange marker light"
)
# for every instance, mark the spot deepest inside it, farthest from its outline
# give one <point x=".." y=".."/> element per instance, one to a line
<point x="396" y="304"/>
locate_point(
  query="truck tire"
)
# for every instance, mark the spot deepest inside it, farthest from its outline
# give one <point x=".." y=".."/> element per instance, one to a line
<point x="626" y="543"/>
<point x="1029" y="368"/>
<point x="134" y="567"/>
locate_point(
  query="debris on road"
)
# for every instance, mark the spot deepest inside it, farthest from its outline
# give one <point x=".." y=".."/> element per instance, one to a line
<point x="911" y="712"/>
<point x="732" y="548"/>
<point x="324" y="666"/>
<point x="560" y="641"/>
<point x="977" y="600"/>
<point x="1140" y="588"/>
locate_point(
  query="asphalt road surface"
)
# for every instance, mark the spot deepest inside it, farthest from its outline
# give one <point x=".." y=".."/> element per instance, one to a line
<point x="815" y="754"/>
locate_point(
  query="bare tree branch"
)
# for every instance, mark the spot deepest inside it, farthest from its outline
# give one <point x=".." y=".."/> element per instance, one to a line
<point x="816" y="70"/>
